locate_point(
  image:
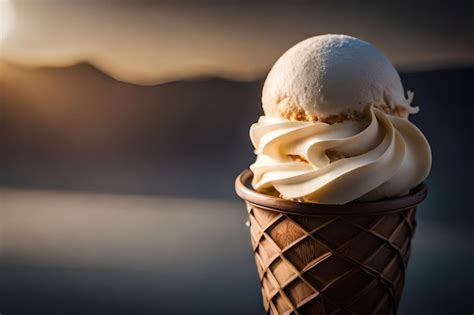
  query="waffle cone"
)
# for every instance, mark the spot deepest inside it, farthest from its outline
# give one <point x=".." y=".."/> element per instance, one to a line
<point x="328" y="259"/>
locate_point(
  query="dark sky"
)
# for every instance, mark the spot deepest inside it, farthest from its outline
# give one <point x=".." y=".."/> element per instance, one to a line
<point x="151" y="42"/>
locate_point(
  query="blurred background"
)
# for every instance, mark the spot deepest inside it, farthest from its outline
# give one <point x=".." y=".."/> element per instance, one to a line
<point x="124" y="123"/>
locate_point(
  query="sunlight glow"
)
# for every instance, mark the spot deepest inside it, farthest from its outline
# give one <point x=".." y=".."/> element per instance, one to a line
<point x="7" y="16"/>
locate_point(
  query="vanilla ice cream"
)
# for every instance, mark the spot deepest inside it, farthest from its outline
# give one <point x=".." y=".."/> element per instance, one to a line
<point x="335" y="127"/>
<point x="332" y="75"/>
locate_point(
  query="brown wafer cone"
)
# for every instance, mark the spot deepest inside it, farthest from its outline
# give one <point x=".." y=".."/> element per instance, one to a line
<point x="328" y="259"/>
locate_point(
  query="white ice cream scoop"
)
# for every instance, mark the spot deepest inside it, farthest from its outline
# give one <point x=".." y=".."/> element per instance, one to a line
<point x="333" y="75"/>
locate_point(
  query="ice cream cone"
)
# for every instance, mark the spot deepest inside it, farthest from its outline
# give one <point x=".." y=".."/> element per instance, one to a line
<point x="325" y="259"/>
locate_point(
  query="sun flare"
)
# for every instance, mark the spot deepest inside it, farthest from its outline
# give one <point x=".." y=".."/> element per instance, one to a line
<point x="6" y="18"/>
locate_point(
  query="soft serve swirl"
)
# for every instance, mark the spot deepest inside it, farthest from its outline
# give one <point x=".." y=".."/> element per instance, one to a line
<point x="370" y="159"/>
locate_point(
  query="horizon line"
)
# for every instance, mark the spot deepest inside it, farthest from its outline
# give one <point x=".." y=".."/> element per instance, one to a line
<point x="222" y="75"/>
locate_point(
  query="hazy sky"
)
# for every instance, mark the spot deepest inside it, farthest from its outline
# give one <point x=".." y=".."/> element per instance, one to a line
<point x="150" y="42"/>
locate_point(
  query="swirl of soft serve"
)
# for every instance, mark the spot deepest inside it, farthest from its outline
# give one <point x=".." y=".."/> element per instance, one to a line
<point x="336" y="126"/>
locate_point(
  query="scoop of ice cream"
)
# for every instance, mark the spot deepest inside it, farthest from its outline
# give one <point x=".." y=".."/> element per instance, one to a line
<point x="335" y="128"/>
<point x="331" y="78"/>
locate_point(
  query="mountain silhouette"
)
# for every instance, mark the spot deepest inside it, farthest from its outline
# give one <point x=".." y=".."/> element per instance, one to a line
<point x="77" y="128"/>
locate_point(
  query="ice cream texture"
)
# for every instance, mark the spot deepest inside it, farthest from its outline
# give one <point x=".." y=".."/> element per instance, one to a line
<point x="336" y="126"/>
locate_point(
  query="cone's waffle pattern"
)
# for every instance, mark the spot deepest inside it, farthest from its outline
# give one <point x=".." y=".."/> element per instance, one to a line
<point x="331" y="264"/>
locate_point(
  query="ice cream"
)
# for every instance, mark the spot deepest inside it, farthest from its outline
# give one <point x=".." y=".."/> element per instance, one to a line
<point x="336" y="126"/>
<point x="332" y="77"/>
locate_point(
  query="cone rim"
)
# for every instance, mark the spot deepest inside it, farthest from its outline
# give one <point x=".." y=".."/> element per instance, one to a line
<point x="389" y="205"/>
